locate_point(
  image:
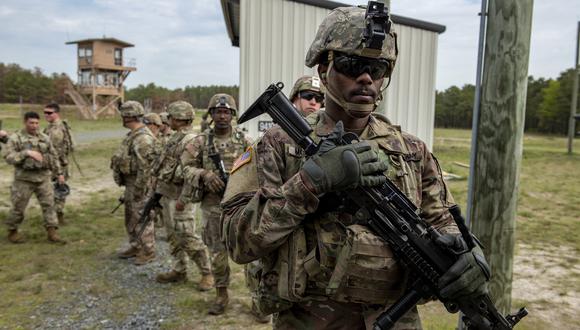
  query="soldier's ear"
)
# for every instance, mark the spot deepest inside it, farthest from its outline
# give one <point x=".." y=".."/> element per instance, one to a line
<point x="322" y="68"/>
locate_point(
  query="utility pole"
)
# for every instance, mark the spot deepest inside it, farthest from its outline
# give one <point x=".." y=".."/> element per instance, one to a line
<point x="499" y="139"/>
<point x="574" y="104"/>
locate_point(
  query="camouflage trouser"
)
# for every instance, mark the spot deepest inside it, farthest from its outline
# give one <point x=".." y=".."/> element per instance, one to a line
<point x="334" y="315"/>
<point x="211" y="234"/>
<point x="21" y="192"/>
<point x="59" y="202"/>
<point x="133" y="204"/>
<point x="180" y="227"/>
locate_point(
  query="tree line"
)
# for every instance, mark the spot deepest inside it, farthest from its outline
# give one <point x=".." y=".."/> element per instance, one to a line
<point x="547" y="105"/>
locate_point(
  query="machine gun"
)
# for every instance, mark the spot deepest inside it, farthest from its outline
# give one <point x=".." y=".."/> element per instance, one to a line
<point x="394" y="218"/>
<point x="151" y="204"/>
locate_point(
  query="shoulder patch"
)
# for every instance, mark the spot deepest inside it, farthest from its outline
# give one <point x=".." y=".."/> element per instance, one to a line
<point x="244" y="158"/>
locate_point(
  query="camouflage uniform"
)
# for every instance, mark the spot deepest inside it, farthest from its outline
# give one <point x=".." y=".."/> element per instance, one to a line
<point x="329" y="271"/>
<point x="60" y="136"/>
<point x="195" y="164"/>
<point x="131" y="165"/>
<point x="180" y="225"/>
<point x="31" y="177"/>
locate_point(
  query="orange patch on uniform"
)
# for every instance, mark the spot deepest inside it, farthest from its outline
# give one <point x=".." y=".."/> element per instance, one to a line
<point x="244" y="158"/>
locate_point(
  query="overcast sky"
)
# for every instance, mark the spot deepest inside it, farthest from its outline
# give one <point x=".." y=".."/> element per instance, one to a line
<point x="184" y="42"/>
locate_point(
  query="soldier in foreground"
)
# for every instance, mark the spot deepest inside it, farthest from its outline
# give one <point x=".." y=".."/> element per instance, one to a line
<point x="131" y="165"/>
<point x="35" y="162"/>
<point x="320" y="267"/>
<point x="208" y="159"/>
<point x="307" y="95"/>
<point x="179" y="213"/>
<point x="60" y="136"/>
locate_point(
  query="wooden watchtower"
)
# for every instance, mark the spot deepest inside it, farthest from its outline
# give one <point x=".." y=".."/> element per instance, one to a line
<point x="102" y="69"/>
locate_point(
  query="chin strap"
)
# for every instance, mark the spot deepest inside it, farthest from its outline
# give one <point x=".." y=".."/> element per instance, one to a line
<point x="354" y="110"/>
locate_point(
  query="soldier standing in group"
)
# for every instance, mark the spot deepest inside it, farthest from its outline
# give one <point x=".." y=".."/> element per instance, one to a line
<point x="205" y="184"/>
<point x="319" y="266"/>
<point x="178" y="213"/>
<point x="307" y="95"/>
<point x="35" y="162"/>
<point x="153" y="123"/>
<point x="165" y="130"/>
<point x="60" y="136"/>
<point x="131" y="165"/>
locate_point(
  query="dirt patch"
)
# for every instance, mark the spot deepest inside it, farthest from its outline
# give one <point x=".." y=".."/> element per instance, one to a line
<point x="548" y="280"/>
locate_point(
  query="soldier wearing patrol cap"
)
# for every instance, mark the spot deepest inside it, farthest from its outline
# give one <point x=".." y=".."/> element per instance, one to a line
<point x="204" y="183"/>
<point x="321" y="268"/>
<point x="307" y="95"/>
<point x="35" y="161"/>
<point x="131" y="165"/>
<point x="178" y="211"/>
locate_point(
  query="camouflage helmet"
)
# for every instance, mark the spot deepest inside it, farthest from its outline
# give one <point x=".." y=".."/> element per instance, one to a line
<point x="164" y="117"/>
<point x="152" y="118"/>
<point x="131" y="109"/>
<point x="343" y="31"/>
<point x="307" y="83"/>
<point x="181" y="110"/>
<point x="222" y="100"/>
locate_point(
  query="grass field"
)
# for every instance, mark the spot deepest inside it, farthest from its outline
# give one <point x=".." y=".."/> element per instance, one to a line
<point x="36" y="275"/>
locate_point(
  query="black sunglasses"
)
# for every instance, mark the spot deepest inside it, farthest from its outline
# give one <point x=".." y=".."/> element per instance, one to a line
<point x="48" y="113"/>
<point x="353" y="66"/>
<point x="309" y="95"/>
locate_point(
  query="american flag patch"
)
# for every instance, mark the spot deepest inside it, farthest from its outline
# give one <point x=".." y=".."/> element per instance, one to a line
<point x="244" y="158"/>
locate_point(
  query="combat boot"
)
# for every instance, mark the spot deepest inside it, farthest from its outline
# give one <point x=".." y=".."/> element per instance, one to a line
<point x="129" y="253"/>
<point x="221" y="302"/>
<point x="15" y="237"/>
<point x="258" y="316"/>
<point x="206" y="283"/>
<point x="144" y="258"/>
<point x="171" y="276"/>
<point x="53" y="236"/>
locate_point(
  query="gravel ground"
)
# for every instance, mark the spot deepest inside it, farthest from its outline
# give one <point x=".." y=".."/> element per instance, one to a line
<point x="150" y="303"/>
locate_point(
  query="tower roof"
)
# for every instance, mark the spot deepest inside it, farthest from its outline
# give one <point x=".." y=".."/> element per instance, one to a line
<point x="111" y="40"/>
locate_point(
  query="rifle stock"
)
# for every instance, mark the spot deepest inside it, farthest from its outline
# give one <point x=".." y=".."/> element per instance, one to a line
<point x="394" y="218"/>
<point x="145" y="218"/>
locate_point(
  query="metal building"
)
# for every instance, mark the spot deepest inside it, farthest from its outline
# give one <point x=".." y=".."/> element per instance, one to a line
<point x="274" y="36"/>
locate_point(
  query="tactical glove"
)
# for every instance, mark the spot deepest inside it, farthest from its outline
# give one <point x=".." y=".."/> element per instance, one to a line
<point x="213" y="182"/>
<point x="468" y="277"/>
<point x="337" y="168"/>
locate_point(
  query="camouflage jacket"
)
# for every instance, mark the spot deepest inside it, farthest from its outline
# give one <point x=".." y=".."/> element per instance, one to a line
<point x="26" y="168"/>
<point x="266" y="202"/>
<point x="164" y="137"/>
<point x="195" y="162"/>
<point x="133" y="160"/>
<point x="61" y="138"/>
<point x="167" y="168"/>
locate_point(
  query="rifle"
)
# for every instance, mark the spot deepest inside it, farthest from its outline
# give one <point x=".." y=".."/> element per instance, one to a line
<point x="121" y="202"/>
<point x="394" y="218"/>
<point x="219" y="164"/>
<point x="145" y="218"/>
<point x="72" y="149"/>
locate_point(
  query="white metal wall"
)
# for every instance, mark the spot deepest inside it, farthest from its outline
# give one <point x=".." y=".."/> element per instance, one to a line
<point x="276" y="34"/>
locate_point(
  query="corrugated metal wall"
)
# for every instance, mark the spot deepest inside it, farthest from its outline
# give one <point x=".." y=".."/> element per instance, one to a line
<point x="276" y="34"/>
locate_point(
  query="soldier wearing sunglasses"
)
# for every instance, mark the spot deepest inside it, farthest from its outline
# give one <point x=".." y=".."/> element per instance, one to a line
<point x="318" y="266"/>
<point x="307" y="95"/>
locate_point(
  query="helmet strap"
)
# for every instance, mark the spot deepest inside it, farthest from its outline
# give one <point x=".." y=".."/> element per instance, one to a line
<point x="353" y="110"/>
